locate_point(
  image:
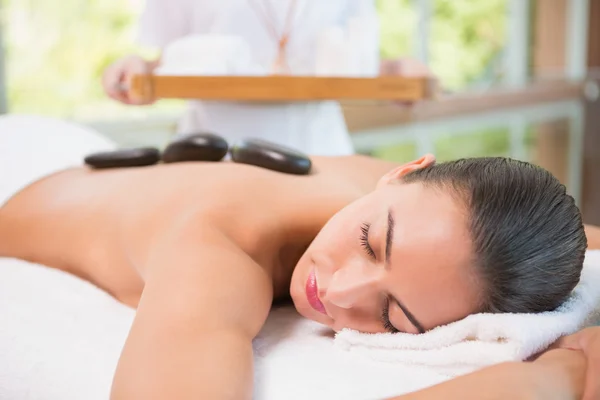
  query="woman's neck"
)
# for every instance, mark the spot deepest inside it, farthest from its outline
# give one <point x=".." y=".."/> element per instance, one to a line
<point x="301" y="220"/>
<point x="298" y="229"/>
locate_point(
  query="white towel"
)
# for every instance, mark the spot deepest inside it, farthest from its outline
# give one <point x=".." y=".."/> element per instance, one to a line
<point x="484" y="339"/>
<point x="212" y="54"/>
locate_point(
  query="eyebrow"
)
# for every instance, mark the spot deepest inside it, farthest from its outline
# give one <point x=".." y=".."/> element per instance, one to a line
<point x="389" y="237"/>
<point x="410" y="316"/>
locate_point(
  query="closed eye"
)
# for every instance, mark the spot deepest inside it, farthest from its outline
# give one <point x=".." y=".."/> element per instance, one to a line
<point x="364" y="240"/>
<point x="385" y="317"/>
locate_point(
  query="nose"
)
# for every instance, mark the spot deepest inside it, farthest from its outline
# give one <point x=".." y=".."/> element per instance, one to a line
<point x="353" y="284"/>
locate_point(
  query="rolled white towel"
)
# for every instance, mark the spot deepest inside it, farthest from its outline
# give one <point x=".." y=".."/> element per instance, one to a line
<point x="208" y="55"/>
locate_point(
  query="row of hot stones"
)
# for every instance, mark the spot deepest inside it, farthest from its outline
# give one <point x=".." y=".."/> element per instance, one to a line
<point x="206" y="147"/>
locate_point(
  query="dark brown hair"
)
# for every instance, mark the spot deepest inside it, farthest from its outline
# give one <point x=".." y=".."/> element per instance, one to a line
<point x="527" y="232"/>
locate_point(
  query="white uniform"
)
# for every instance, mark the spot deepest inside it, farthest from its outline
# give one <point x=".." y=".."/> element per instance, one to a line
<point x="316" y="128"/>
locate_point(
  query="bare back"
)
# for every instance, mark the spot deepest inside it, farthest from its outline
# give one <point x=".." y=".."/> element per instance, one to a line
<point x="102" y="225"/>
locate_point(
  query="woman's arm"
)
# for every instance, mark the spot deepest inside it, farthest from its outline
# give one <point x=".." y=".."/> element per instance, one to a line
<point x="556" y="375"/>
<point x="203" y="303"/>
<point x="593" y="236"/>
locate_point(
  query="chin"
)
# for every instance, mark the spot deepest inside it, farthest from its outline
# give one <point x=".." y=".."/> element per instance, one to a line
<point x="309" y="313"/>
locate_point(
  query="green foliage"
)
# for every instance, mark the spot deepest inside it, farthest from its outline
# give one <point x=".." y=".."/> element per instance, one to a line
<point x="483" y="143"/>
<point x="466" y="37"/>
<point x="404" y="152"/>
<point x="58" y="49"/>
<point x="479" y="143"/>
<point x="397" y="19"/>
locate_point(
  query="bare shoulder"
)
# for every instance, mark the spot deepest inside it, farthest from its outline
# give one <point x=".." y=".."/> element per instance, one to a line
<point x="203" y="270"/>
<point x="204" y="301"/>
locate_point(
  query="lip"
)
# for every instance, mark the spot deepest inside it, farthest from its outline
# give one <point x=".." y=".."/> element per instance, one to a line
<point x="312" y="293"/>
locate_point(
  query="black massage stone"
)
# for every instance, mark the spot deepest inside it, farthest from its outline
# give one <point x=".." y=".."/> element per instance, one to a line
<point x="271" y="156"/>
<point x="196" y="147"/>
<point x="136" y="157"/>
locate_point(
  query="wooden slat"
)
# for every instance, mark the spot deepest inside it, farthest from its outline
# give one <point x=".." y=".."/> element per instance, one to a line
<point x="594" y="35"/>
<point x="591" y="150"/>
<point x="369" y="115"/>
<point x="549" y="38"/>
<point x="279" y="88"/>
<point x="591" y="163"/>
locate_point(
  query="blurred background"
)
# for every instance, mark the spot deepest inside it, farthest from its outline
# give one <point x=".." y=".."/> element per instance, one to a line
<point x="519" y="79"/>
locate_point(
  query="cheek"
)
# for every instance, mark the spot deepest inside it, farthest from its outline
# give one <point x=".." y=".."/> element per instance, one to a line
<point x="437" y="296"/>
<point x="338" y="240"/>
<point x="331" y="249"/>
<point x="337" y="236"/>
<point x="344" y="227"/>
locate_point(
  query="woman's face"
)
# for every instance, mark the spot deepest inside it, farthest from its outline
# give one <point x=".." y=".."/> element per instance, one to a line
<point x="398" y="259"/>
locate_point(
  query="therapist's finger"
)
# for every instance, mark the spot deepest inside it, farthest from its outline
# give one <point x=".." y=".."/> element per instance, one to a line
<point x="592" y="377"/>
<point x="111" y="83"/>
<point x="585" y="340"/>
<point x="588" y="341"/>
<point x="406" y="67"/>
<point x="135" y="66"/>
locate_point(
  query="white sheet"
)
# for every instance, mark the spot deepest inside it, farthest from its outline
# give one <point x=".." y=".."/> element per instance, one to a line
<point x="33" y="147"/>
<point x="60" y="339"/>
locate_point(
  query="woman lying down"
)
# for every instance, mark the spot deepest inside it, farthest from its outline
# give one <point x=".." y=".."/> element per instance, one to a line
<point x="203" y="249"/>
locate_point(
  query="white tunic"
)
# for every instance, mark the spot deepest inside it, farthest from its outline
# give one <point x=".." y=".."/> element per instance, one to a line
<point x="316" y="128"/>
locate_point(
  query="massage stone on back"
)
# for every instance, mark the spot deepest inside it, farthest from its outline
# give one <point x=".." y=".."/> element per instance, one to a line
<point x="271" y="156"/>
<point x="137" y="157"/>
<point x="208" y="147"/>
<point x="196" y="147"/>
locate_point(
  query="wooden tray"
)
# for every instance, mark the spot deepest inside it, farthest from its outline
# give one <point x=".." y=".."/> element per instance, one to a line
<point x="279" y="88"/>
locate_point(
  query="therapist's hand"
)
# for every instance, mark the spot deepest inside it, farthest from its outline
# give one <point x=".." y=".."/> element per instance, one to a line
<point x="587" y="341"/>
<point x="406" y="67"/>
<point x="117" y="78"/>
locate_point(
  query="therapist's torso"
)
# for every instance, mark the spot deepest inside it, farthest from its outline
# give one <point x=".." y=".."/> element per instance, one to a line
<point x="311" y="127"/>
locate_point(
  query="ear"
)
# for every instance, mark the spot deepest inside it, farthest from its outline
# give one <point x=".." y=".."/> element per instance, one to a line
<point x="397" y="173"/>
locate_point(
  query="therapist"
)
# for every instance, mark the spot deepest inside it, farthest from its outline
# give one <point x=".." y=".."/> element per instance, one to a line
<point x="282" y="35"/>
